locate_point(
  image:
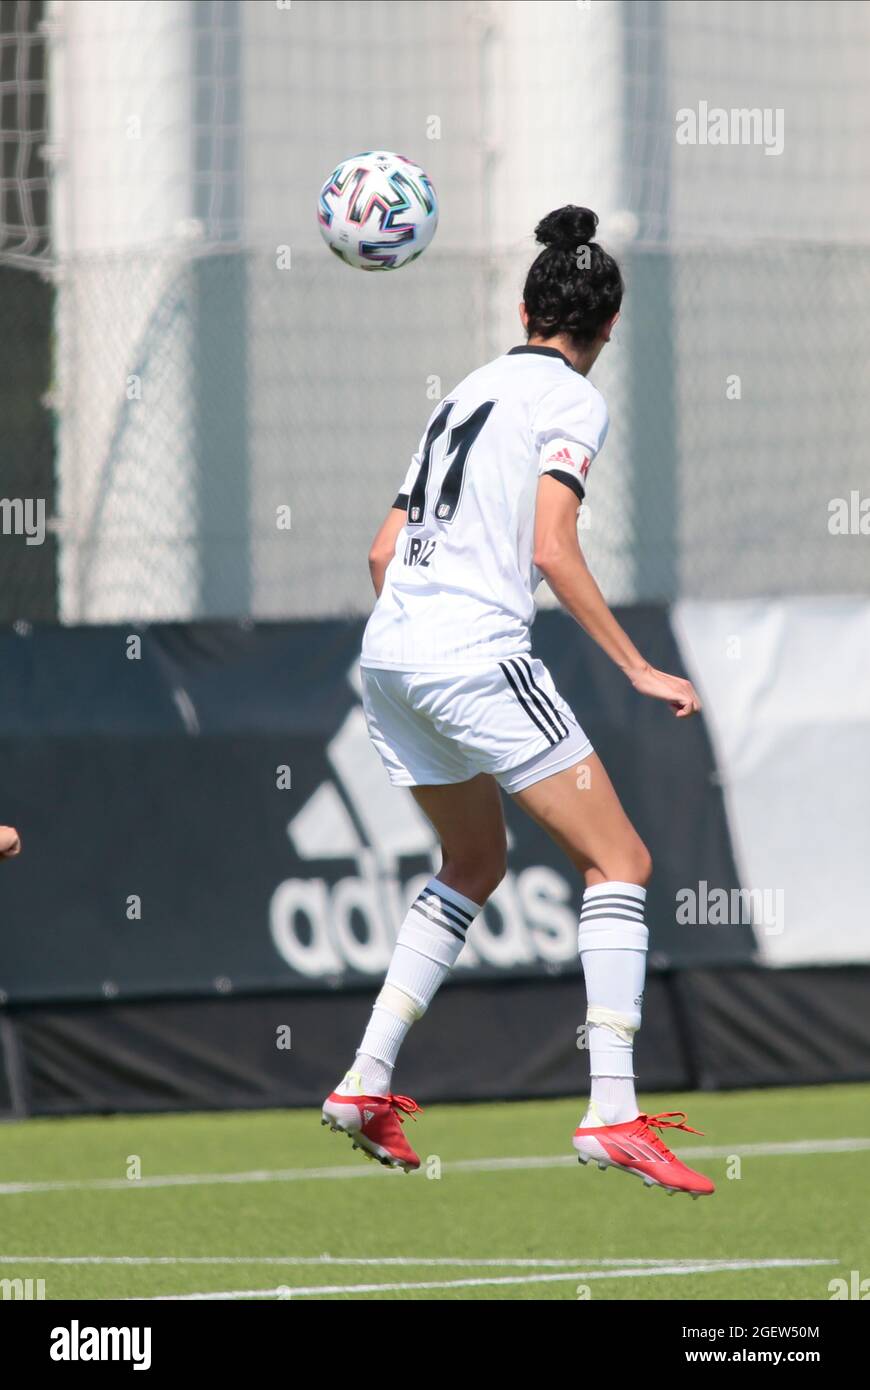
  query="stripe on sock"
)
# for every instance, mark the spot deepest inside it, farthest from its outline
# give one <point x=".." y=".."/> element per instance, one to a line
<point x="454" y="897"/>
<point x="625" y="904"/>
<point x="605" y="905"/>
<point x="435" y="916"/>
<point x="456" y="914"/>
<point x="608" y="917"/>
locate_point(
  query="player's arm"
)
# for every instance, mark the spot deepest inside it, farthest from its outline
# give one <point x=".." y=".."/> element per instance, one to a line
<point x="559" y="558"/>
<point x="384" y="546"/>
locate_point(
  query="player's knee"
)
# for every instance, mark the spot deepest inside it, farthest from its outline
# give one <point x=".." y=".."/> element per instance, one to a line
<point x="641" y="865"/>
<point x="476" y="875"/>
<point x="630" y="864"/>
<point x="485" y="879"/>
<point x="497" y="871"/>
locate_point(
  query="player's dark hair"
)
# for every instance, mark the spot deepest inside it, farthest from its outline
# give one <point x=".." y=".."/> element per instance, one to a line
<point x="564" y="294"/>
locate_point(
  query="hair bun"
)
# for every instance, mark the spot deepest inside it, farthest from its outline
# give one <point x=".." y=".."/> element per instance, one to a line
<point x="567" y="227"/>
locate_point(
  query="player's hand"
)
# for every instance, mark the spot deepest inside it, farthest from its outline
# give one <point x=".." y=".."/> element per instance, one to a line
<point x="10" y="842"/>
<point x="680" y="694"/>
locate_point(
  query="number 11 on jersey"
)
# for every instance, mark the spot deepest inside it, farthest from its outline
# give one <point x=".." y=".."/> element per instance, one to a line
<point x="459" y="446"/>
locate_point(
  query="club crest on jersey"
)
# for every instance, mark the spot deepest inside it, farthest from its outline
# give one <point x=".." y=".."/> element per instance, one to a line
<point x="419" y="551"/>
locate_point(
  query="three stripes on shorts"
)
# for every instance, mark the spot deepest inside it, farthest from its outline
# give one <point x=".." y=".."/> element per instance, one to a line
<point x="536" y="702"/>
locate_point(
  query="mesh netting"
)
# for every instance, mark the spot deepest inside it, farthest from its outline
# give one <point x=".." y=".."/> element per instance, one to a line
<point x="207" y="370"/>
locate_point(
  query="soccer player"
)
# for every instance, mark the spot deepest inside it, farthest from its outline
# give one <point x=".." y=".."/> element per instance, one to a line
<point x="457" y="706"/>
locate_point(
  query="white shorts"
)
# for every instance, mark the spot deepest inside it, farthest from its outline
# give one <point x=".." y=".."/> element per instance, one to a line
<point x="507" y="719"/>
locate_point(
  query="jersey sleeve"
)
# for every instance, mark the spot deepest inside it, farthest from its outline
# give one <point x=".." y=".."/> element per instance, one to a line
<point x="405" y="490"/>
<point x="569" y="430"/>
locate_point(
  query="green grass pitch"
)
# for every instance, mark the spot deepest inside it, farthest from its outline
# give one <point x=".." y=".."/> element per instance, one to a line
<point x="271" y="1205"/>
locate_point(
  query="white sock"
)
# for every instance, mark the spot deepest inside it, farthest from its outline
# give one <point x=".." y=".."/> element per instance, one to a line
<point x="429" y="942"/>
<point x="612" y="940"/>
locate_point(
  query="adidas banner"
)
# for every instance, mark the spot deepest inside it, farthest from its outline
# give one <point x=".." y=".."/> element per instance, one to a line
<point x="203" y="814"/>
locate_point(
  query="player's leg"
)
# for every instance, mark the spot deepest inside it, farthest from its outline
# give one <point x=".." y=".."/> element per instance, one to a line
<point x="580" y="809"/>
<point x="469" y="821"/>
<point x="470" y="825"/>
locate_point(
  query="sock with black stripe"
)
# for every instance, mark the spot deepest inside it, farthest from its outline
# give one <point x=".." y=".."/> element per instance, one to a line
<point x="612" y="940"/>
<point x="429" y="942"/>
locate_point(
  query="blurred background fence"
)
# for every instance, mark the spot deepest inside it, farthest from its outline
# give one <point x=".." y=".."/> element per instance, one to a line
<point x="181" y="360"/>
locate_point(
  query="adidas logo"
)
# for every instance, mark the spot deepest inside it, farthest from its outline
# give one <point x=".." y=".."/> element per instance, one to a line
<point x="566" y="459"/>
<point x="332" y="922"/>
<point x="636" y="1149"/>
<point x="368" y="1115"/>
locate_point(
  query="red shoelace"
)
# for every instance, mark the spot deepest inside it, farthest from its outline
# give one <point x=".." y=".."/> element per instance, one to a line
<point x="666" y="1121"/>
<point x="404" y="1104"/>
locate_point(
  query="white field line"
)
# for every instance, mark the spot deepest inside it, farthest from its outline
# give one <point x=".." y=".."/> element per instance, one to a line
<point x="328" y="1261"/>
<point x="790" y="1149"/>
<point x="319" y="1290"/>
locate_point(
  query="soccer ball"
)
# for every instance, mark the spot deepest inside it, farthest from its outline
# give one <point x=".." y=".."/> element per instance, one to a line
<point x="378" y="211"/>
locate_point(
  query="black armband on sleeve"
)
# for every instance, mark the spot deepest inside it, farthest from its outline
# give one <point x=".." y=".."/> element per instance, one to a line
<point x="568" y="479"/>
<point x="401" y="502"/>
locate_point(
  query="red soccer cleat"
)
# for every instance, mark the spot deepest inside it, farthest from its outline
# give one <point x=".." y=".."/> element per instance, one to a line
<point x="374" y="1123"/>
<point x="635" y="1149"/>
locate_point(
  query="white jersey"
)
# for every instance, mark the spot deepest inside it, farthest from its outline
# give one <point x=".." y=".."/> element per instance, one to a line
<point x="459" y="590"/>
